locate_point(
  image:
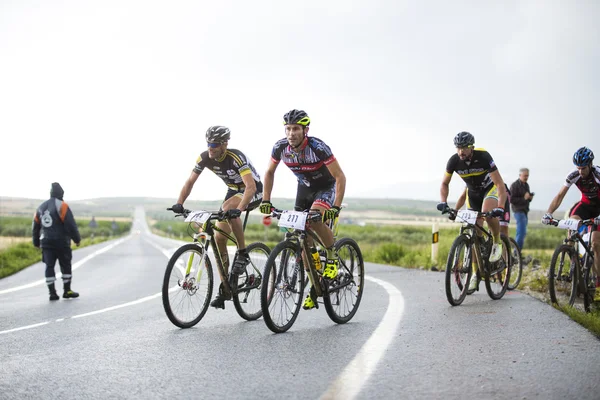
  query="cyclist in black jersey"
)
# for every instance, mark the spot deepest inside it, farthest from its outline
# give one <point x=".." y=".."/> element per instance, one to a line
<point x="244" y="193"/>
<point x="321" y="182"/>
<point x="586" y="177"/>
<point x="485" y="188"/>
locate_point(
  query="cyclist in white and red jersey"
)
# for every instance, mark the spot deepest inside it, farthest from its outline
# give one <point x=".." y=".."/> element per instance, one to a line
<point x="587" y="179"/>
<point x="321" y="182"/>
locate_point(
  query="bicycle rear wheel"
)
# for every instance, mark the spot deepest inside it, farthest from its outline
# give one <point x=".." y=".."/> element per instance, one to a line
<point x="516" y="265"/>
<point x="247" y="297"/>
<point x="590" y="282"/>
<point x="281" y="297"/>
<point x="187" y="286"/>
<point x="342" y="303"/>
<point x="458" y="270"/>
<point x="496" y="283"/>
<point x="563" y="275"/>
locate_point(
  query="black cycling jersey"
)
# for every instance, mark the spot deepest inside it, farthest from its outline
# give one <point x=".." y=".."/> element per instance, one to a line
<point x="475" y="172"/>
<point x="230" y="168"/>
<point x="589" y="187"/>
<point x="309" y="164"/>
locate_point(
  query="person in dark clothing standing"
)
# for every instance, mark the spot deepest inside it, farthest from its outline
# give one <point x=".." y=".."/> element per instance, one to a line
<point x="520" y="198"/>
<point x="53" y="229"/>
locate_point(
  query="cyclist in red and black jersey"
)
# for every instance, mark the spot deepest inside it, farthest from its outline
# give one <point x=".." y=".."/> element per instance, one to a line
<point x="321" y="182"/>
<point x="485" y="188"/>
<point x="244" y="193"/>
<point x="587" y="179"/>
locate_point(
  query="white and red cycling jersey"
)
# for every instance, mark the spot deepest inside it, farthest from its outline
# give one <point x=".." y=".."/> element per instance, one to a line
<point x="589" y="187"/>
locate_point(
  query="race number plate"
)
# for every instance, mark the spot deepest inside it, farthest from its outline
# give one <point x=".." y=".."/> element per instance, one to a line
<point x="569" y="223"/>
<point x="293" y="219"/>
<point x="467" y="216"/>
<point x="199" y="217"/>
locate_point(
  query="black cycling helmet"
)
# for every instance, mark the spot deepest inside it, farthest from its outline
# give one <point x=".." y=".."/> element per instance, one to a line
<point x="583" y="157"/>
<point x="464" y="139"/>
<point x="299" y="117"/>
<point x="217" y="134"/>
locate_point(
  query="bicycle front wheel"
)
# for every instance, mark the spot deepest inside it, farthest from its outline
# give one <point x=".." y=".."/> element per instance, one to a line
<point x="590" y="282"/>
<point x="516" y="265"/>
<point x="496" y="280"/>
<point x="563" y="275"/>
<point x="346" y="290"/>
<point x="458" y="270"/>
<point x="187" y="286"/>
<point x="247" y="297"/>
<point x="281" y="296"/>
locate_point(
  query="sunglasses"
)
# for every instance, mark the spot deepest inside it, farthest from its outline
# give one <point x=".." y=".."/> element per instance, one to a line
<point x="213" y="145"/>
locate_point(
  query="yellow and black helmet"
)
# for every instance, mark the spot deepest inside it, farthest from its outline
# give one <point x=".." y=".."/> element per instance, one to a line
<point x="464" y="139"/>
<point x="299" y="117"/>
<point x="217" y="134"/>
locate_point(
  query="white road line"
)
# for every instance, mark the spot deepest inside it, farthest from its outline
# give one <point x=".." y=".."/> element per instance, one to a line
<point x="73" y="268"/>
<point x="350" y="382"/>
<point x="131" y="303"/>
<point x="24" y="327"/>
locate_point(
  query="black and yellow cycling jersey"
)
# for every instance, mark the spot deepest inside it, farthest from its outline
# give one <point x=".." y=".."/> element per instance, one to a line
<point x="231" y="167"/>
<point x="475" y="171"/>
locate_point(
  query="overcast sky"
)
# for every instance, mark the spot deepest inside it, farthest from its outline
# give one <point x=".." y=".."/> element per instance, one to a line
<point x="112" y="98"/>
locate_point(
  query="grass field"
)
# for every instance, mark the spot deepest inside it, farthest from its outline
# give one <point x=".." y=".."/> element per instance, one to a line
<point x="17" y="251"/>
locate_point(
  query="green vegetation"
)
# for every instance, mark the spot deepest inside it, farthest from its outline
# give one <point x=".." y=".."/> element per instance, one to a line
<point x="22" y="255"/>
<point x="22" y="226"/>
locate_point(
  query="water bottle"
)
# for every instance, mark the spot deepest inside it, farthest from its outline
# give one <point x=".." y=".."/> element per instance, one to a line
<point x="316" y="258"/>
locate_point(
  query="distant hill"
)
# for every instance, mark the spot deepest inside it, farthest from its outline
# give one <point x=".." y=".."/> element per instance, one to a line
<point x="123" y="206"/>
<point x="372" y="210"/>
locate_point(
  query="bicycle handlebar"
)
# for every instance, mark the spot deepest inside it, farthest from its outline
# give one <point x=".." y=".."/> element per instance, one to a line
<point x="218" y="215"/>
<point x="313" y="215"/>
<point x="585" y="222"/>
<point x="453" y="213"/>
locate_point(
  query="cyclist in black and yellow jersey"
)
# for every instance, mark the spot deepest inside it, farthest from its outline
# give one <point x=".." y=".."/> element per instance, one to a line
<point x="321" y="182"/>
<point x="485" y="188"/>
<point x="244" y="193"/>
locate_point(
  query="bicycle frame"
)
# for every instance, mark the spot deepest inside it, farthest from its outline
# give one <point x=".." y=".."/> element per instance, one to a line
<point x="303" y="239"/>
<point x="470" y="230"/>
<point x="205" y="239"/>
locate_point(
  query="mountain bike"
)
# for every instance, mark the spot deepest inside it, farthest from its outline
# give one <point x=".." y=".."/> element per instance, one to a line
<point x="516" y="265"/>
<point x="294" y="257"/>
<point x="459" y="267"/>
<point x="572" y="270"/>
<point x="188" y="282"/>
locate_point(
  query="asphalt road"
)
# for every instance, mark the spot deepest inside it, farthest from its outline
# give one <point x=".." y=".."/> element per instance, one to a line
<point x="406" y="341"/>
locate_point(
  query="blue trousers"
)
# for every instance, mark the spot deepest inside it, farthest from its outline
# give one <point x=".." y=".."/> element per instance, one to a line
<point x="521" y="219"/>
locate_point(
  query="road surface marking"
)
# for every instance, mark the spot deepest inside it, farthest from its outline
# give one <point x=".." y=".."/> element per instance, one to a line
<point x="24" y="327"/>
<point x="73" y="268"/>
<point x="350" y="382"/>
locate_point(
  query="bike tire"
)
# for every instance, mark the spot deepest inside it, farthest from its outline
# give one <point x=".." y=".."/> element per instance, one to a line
<point x="247" y="302"/>
<point x="285" y="263"/>
<point x="590" y="283"/>
<point x="496" y="284"/>
<point x="175" y="296"/>
<point x="516" y="265"/>
<point x="562" y="283"/>
<point x="459" y="275"/>
<point x="341" y="305"/>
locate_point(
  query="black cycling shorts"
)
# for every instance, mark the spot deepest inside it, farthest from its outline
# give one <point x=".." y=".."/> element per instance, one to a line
<point x="585" y="211"/>
<point x="307" y="197"/>
<point x="254" y="202"/>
